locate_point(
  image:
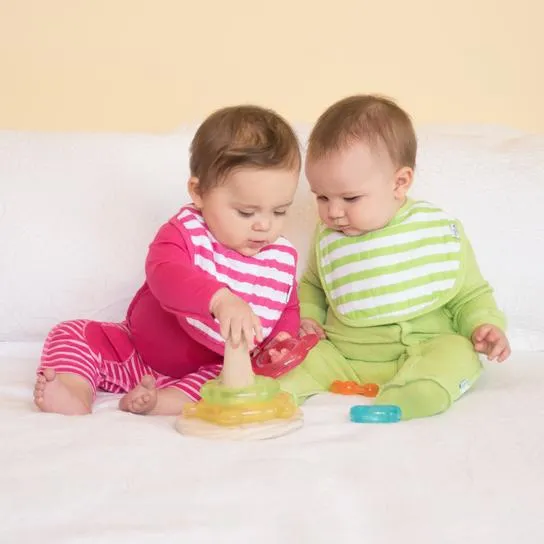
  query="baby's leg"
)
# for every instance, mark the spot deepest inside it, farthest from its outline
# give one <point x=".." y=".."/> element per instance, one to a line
<point x="434" y="375"/>
<point x="162" y="395"/>
<point x="68" y="373"/>
<point x="323" y="365"/>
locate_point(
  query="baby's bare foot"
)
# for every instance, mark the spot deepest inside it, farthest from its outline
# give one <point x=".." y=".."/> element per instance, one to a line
<point x="62" y="394"/>
<point x="142" y="399"/>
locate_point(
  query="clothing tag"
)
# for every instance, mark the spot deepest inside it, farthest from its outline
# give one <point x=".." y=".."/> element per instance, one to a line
<point x="454" y="230"/>
<point x="464" y="386"/>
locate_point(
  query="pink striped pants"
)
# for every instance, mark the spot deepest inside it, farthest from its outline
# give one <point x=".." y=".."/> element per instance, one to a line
<point x="104" y="355"/>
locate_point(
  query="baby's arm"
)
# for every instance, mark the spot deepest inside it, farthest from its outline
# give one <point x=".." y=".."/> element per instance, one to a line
<point x="475" y="304"/>
<point x="476" y="314"/>
<point x="313" y="302"/>
<point x="180" y="287"/>
<point x="185" y="290"/>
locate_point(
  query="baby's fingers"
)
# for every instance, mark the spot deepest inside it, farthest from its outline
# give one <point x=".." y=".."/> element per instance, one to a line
<point x="313" y="328"/>
<point x="248" y="335"/>
<point x="257" y="327"/>
<point x="497" y="350"/>
<point x="494" y="336"/>
<point x="307" y="326"/>
<point x="505" y="354"/>
<point x="224" y="328"/>
<point x="236" y="331"/>
<point x="481" y="333"/>
<point x="481" y="347"/>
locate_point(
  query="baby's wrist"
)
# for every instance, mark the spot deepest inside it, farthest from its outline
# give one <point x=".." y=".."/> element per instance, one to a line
<point x="311" y="320"/>
<point x="216" y="299"/>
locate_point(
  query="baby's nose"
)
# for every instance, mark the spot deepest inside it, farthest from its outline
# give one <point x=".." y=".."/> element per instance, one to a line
<point x="336" y="212"/>
<point x="261" y="225"/>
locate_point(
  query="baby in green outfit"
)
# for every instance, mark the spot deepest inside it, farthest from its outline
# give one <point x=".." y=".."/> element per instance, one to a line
<point x="392" y="286"/>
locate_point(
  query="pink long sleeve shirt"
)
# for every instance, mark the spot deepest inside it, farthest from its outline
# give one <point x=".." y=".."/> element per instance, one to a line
<point x="169" y="317"/>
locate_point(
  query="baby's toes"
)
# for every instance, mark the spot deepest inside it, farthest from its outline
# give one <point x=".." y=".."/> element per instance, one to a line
<point x="141" y="401"/>
<point x="38" y="395"/>
<point x="39" y="388"/>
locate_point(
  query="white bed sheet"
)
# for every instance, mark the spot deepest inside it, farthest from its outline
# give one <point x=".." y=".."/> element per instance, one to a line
<point x="473" y="475"/>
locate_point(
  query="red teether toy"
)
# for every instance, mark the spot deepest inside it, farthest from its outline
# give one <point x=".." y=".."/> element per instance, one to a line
<point x="280" y="356"/>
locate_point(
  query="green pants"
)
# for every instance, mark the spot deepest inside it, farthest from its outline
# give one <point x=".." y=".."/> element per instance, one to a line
<point x="422" y="374"/>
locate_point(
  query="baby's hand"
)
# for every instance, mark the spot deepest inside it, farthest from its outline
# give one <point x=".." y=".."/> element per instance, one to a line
<point x="309" y="326"/>
<point x="236" y="318"/>
<point x="491" y="341"/>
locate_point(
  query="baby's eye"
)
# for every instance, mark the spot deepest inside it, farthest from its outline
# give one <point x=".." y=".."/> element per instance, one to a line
<point x="322" y="198"/>
<point x="280" y="212"/>
<point x="245" y="214"/>
<point x="351" y="198"/>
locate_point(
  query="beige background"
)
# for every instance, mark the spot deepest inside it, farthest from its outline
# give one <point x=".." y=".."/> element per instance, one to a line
<point x="152" y="64"/>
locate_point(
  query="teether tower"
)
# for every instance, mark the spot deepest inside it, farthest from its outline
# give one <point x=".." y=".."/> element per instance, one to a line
<point x="239" y="404"/>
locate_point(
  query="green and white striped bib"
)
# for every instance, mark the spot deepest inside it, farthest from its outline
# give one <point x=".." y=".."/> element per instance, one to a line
<point x="410" y="267"/>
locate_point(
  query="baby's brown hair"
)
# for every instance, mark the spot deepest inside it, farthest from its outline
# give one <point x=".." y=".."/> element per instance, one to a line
<point x="241" y="137"/>
<point x="371" y="119"/>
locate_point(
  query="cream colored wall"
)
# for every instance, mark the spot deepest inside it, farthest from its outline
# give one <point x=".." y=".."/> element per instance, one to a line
<point x="151" y="64"/>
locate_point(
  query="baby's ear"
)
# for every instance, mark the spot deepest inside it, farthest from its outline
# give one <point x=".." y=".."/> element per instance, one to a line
<point x="193" y="187"/>
<point x="403" y="181"/>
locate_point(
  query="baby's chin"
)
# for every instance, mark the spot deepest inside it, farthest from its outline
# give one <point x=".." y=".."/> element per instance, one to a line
<point x="242" y="249"/>
<point x="247" y="251"/>
<point x="349" y="231"/>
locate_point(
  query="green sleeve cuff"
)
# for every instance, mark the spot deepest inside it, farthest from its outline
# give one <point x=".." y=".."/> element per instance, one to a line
<point x="483" y="317"/>
<point x="312" y="311"/>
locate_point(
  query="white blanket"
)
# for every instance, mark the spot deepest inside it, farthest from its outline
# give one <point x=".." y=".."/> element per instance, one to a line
<point x="77" y="212"/>
<point x="473" y="475"/>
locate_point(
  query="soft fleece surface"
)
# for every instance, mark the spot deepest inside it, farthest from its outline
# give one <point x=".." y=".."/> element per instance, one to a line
<point x="76" y="214"/>
<point x="473" y="475"/>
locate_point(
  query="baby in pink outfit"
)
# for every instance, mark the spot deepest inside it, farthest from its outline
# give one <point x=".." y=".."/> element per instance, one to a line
<point x="219" y="269"/>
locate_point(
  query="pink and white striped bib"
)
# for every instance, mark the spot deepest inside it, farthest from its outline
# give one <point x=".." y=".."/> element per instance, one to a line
<point x="264" y="281"/>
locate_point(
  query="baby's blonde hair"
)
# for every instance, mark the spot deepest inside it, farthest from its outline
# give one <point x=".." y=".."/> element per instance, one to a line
<point x="238" y="137"/>
<point x="371" y="119"/>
